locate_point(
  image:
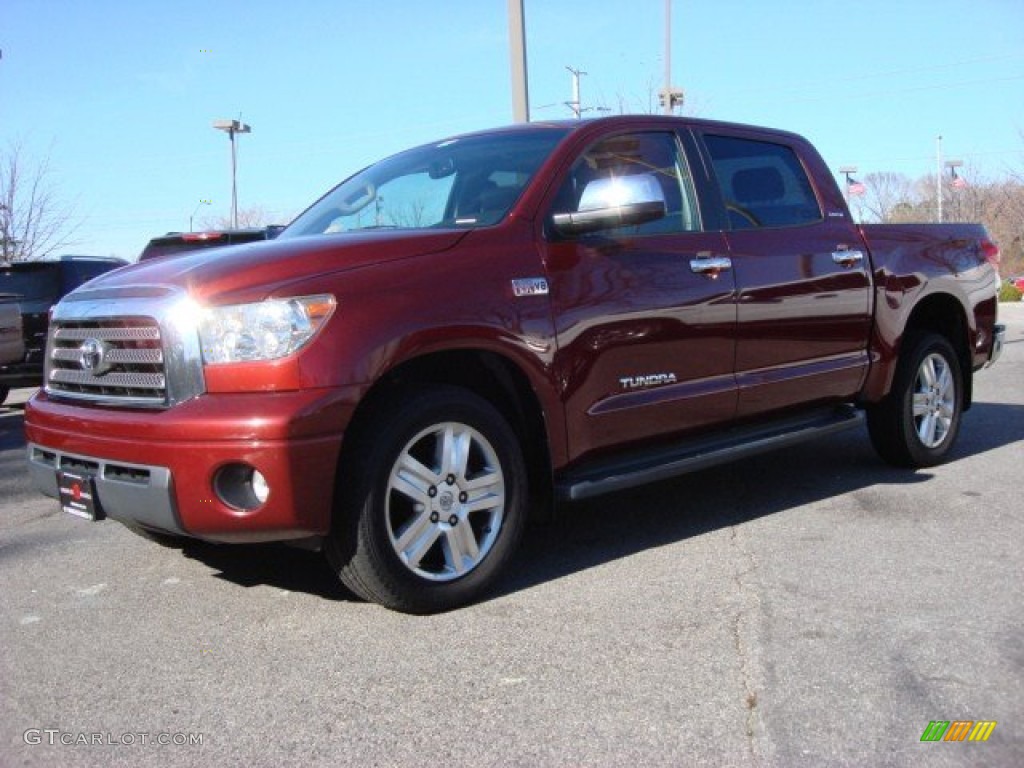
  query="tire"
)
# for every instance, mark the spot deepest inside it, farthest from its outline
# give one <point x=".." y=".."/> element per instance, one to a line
<point x="918" y="421"/>
<point x="431" y="499"/>
<point x="4" y="392"/>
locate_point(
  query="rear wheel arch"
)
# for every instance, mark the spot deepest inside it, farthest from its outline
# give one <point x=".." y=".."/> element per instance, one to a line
<point x="917" y="422"/>
<point x="943" y="314"/>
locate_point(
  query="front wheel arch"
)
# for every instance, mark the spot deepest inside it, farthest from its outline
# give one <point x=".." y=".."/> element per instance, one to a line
<point x="392" y="544"/>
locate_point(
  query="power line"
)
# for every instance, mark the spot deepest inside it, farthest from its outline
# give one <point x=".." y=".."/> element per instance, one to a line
<point x="832" y="82"/>
<point x="894" y="91"/>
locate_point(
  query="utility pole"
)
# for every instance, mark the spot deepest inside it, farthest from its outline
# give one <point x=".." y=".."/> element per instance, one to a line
<point x="575" y="105"/>
<point x="938" y="175"/>
<point x="669" y="97"/>
<point x="517" y="46"/>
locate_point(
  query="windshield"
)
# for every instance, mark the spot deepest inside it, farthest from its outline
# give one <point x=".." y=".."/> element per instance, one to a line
<point x="466" y="182"/>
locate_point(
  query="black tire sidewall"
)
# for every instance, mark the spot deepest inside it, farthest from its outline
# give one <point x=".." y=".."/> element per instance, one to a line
<point x="919" y="454"/>
<point x="382" y="576"/>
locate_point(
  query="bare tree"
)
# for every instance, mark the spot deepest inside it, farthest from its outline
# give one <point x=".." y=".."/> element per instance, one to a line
<point x="34" y="221"/>
<point x="884" y="193"/>
<point x="248" y="218"/>
<point x="1004" y="218"/>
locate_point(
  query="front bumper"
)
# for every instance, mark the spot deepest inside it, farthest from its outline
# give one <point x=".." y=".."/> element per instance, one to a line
<point x="158" y="470"/>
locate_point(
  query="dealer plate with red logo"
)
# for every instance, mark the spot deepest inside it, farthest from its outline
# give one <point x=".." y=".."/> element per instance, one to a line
<point x="78" y="494"/>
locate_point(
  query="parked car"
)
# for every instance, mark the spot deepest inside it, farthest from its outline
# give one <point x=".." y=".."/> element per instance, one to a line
<point x="180" y="242"/>
<point x="34" y="287"/>
<point x="12" y="346"/>
<point x="458" y="334"/>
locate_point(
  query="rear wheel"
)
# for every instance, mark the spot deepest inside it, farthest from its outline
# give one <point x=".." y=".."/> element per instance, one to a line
<point x="431" y="502"/>
<point x="917" y="423"/>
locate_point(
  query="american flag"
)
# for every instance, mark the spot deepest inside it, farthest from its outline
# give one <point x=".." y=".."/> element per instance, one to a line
<point x="854" y="188"/>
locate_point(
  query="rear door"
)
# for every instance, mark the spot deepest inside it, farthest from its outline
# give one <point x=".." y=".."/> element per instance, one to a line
<point x="803" y="287"/>
<point x="644" y="318"/>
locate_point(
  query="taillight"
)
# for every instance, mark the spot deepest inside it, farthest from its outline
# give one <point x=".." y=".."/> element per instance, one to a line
<point x="202" y="236"/>
<point x="990" y="251"/>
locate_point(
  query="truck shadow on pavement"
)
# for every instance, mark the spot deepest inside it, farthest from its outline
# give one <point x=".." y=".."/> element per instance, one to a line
<point x="588" y="534"/>
<point x="276" y="565"/>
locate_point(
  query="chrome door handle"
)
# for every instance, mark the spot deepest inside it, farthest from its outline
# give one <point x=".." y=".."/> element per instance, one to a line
<point x="847" y="258"/>
<point x="711" y="266"/>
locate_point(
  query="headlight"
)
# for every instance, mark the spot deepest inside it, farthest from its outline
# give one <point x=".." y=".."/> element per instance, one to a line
<point x="264" y="330"/>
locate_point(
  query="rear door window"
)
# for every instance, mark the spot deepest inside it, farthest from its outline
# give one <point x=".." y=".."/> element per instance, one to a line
<point x="762" y="184"/>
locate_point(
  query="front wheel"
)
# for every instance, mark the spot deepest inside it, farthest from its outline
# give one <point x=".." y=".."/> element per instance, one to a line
<point x="917" y="423"/>
<point x="431" y="502"/>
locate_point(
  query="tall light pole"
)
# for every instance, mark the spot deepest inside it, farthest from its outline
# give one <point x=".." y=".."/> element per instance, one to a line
<point x="198" y="206"/>
<point x="231" y="127"/>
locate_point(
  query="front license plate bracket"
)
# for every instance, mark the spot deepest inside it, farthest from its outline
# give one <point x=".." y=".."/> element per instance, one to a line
<point x="78" y="494"/>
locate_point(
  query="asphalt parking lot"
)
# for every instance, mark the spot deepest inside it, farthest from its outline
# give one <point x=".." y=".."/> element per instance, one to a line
<point x="809" y="608"/>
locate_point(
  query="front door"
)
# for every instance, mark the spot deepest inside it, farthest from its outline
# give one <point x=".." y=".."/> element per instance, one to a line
<point x="644" y="314"/>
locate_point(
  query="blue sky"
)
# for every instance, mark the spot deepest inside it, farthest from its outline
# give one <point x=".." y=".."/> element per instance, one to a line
<point x="121" y="95"/>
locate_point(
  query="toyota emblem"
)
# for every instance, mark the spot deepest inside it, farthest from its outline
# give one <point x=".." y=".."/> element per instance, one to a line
<point x="92" y="355"/>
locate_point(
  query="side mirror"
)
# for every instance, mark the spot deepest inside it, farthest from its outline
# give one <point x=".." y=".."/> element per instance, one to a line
<point x="614" y="202"/>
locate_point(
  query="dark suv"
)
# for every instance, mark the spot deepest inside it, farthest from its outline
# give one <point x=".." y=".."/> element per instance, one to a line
<point x="179" y="242"/>
<point x="35" y="286"/>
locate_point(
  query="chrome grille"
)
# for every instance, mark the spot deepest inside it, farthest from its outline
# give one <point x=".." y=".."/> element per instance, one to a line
<point x="109" y="359"/>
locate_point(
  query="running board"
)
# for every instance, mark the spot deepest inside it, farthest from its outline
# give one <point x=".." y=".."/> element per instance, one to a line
<point x="650" y="466"/>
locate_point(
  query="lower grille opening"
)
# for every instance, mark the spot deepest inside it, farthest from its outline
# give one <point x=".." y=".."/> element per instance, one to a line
<point x="79" y="465"/>
<point x="126" y="474"/>
<point x="44" y="457"/>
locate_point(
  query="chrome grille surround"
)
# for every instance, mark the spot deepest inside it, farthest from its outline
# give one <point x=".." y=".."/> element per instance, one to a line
<point x="133" y="347"/>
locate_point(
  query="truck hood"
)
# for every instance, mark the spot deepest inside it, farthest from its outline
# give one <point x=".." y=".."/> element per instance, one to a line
<point x="253" y="271"/>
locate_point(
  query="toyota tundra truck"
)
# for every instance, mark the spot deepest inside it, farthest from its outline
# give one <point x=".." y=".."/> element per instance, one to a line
<point x="475" y="330"/>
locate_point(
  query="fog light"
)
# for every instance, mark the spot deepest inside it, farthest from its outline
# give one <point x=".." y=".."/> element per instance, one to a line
<point x="260" y="489"/>
<point x="241" y="486"/>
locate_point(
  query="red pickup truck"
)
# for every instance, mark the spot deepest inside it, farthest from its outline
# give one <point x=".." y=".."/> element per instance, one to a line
<point x="470" y="331"/>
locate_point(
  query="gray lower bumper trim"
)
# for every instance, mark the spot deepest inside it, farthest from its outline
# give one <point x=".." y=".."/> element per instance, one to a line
<point x="998" y="340"/>
<point x="135" y="494"/>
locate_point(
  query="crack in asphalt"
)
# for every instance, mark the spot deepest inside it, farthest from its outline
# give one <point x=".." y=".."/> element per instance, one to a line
<point x="744" y="632"/>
